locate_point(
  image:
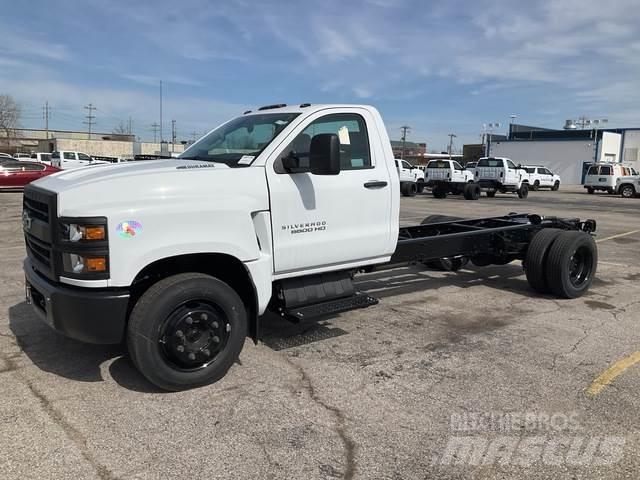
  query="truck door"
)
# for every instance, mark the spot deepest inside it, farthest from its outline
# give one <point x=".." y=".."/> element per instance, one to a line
<point x="457" y="173"/>
<point x="511" y="173"/>
<point x="327" y="220"/>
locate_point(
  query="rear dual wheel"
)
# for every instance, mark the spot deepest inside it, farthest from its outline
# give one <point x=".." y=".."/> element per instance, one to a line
<point x="471" y="191"/>
<point x="561" y="262"/>
<point x="439" y="192"/>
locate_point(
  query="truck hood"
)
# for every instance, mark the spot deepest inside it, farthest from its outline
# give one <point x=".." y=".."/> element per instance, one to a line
<point x="101" y="190"/>
<point x="73" y="178"/>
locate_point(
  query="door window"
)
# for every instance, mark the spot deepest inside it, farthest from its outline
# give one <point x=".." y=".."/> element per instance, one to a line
<point x="406" y="165"/>
<point x="510" y="164"/>
<point x="69" y="155"/>
<point x="593" y="170"/>
<point x="457" y="166"/>
<point x="605" y="170"/>
<point x="354" y="143"/>
<point x="83" y="156"/>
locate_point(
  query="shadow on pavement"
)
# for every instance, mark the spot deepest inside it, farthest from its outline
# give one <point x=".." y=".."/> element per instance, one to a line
<point x="51" y="352"/>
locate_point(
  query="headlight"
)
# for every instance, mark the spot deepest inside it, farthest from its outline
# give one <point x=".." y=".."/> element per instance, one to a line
<point x="78" y="264"/>
<point x="75" y="232"/>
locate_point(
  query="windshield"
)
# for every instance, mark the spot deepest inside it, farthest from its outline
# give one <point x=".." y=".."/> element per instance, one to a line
<point x="239" y="141"/>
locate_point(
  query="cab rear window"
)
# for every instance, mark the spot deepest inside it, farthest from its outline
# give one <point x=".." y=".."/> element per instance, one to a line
<point x="438" y="164"/>
<point x="489" y="162"/>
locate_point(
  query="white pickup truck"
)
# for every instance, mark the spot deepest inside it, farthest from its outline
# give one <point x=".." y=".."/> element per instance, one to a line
<point x="499" y="174"/>
<point x="448" y="176"/>
<point x="274" y="211"/>
<point x="411" y="178"/>
<point x="68" y="160"/>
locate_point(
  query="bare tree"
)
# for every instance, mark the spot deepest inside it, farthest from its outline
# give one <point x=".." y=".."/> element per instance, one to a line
<point x="121" y="129"/>
<point x="9" y="117"/>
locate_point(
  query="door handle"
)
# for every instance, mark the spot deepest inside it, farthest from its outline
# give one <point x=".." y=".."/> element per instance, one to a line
<point x="375" y="184"/>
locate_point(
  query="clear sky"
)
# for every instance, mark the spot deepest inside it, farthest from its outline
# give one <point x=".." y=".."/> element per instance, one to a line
<point x="440" y="67"/>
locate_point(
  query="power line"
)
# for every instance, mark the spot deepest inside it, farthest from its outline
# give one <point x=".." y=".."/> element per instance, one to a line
<point x="173" y="134"/>
<point x="405" y="129"/>
<point x="155" y="126"/>
<point x="89" y="117"/>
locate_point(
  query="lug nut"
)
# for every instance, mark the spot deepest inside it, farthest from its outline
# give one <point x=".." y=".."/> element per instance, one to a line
<point x="206" y="352"/>
<point x="216" y="339"/>
<point x="192" y="356"/>
<point x="189" y="320"/>
<point x="179" y="334"/>
<point x="215" y="324"/>
<point x="204" y="317"/>
<point x="180" y="348"/>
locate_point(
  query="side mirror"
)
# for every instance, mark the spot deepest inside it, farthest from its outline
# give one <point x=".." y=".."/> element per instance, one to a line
<point x="324" y="154"/>
<point x="290" y="161"/>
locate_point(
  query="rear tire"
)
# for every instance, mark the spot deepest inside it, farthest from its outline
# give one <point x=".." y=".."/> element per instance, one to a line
<point x="439" y="192"/>
<point x="536" y="258"/>
<point x="420" y="186"/>
<point x="408" y="189"/>
<point x="186" y="331"/>
<point x="491" y="193"/>
<point x="590" y="190"/>
<point x="571" y="264"/>
<point x="536" y="186"/>
<point x="627" y="191"/>
<point x="471" y="191"/>
<point x="523" y="191"/>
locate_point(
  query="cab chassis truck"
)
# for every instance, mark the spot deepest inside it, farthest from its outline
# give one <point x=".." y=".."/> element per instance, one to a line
<point x="175" y="259"/>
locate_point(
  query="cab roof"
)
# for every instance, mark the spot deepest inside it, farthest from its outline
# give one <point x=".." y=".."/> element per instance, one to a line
<point x="300" y="108"/>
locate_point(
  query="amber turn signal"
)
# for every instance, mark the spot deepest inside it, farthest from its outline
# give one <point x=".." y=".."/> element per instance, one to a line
<point x="96" y="264"/>
<point x="94" y="233"/>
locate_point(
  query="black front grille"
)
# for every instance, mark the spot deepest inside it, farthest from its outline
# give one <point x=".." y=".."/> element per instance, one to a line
<point x="38" y="216"/>
<point x="36" y="209"/>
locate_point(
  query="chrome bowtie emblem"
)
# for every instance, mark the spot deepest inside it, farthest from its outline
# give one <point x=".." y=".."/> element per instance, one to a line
<point x="26" y="220"/>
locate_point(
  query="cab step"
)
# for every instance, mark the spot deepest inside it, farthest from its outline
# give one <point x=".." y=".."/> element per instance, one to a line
<point x="316" y="310"/>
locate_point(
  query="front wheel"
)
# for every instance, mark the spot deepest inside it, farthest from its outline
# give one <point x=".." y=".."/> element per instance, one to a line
<point x="556" y="186"/>
<point x="186" y="331"/>
<point x="590" y="190"/>
<point x="420" y="186"/>
<point x="571" y="264"/>
<point x="536" y="186"/>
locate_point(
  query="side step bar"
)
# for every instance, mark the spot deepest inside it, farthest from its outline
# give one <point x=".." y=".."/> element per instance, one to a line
<point x="321" y="309"/>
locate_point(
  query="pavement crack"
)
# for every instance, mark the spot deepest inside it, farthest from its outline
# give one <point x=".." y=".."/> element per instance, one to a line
<point x="73" y="434"/>
<point x="340" y="420"/>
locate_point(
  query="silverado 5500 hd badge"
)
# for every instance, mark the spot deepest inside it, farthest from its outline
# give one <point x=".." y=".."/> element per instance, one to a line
<point x="306" y="227"/>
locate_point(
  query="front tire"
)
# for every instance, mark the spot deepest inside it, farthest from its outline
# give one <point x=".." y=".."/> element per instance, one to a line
<point x="186" y="331"/>
<point x="536" y="186"/>
<point x="590" y="190"/>
<point x="420" y="186"/>
<point x="556" y="186"/>
<point x="523" y="191"/>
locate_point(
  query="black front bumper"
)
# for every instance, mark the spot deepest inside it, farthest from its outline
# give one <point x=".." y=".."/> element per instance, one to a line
<point x="85" y="314"/>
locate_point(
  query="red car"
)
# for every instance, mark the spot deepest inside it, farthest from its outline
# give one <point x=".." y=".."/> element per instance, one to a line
<point x="15" y="175"/>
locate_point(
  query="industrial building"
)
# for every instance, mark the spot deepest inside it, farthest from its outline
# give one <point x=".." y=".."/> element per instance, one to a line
<point x="569" y="152"/>
<point x="101" y="144"/>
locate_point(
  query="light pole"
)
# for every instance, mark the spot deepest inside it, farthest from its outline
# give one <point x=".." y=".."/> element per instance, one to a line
<point x="405" y="129"/>
<point x="512" y="119"/>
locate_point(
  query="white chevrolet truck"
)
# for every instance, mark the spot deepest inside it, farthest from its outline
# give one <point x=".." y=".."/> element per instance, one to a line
<point x="274" y="211"/>
<point x="500" y="174"/>
<point x="448" y="176"/>
<point x="411" y="178"/>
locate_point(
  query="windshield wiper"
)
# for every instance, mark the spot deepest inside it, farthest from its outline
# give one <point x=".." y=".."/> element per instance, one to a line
<point x="196" y="157"/>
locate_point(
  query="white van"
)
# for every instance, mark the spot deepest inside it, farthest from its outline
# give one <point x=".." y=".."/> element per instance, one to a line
<point x="67" y="160"/>
<point x="604" y="176"/>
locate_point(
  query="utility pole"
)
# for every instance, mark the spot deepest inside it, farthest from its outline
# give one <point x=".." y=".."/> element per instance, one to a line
<point x="46" y="114"/>
<point x="89" y="117"/>
<point x="194" y="136"/>
<point x="405" y="129"/>
<point x="155" y="128"/>
<point x="451" y="137"/>
<point x="161" y="112"/>
<point x="173" y="135"/>
<point x="130" y="126"/>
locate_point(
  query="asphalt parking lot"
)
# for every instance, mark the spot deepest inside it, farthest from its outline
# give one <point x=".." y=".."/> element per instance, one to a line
<point x="446" y="361"/>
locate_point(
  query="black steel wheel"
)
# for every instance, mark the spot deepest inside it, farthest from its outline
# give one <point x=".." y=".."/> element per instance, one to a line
<point x="590" y="190"/>
<point x="536" y="258"/>
<point x="571" y="264"/>
<point x="556" y="186"/>
<point x="420" y="186"/>
<point x="186" y="331"/>
<point x="472" y="191"/>
<point x="439" y="192"/>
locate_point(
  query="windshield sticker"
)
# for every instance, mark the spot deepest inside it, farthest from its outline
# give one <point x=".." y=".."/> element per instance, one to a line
<point x="246" y="159"/>
<point x="129" y="229"/>
<point x="343" y="135"/>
